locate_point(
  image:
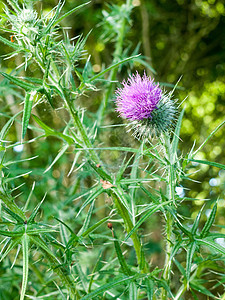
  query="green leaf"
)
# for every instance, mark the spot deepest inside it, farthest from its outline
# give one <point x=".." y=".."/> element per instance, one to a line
<point x="9" y="202"/>
<point x="13" y="243"/>
<point x="11" y="233"/>
<point x="209" y="221"/>
<point x="34" y="212"/>
<point x="132" y="291"/>
<point x="95" y="226"/>
<point x="196" y="285"/>
<point x="28" y="103"/>
<point x="174" y="144"/>
<point x="123" y="264"/>
<point x="25" y="248"/>
<point x="196" y="222"/>
<point x="53" y="20"/>
<point x="206" y="140"/>
<point x="87" y="219"/>
<point x="209" y="163"/>
<point x="91" y="198"/>
<point x="190" y="252"/>
<point x="9" y="43"/>
<point x="151" y="211"/>
<point x="95" y="269"/>
<point x="61" y="152"/>
<point x="13" y="215"/>
<point x="70" y="12"/>
<point x="109" y="286"/>
<point x="112" y="67"/>
<point x="211" y="244"/>
<point x="24" y="85"/>
<point x="150" y="288"/>
<point x="51" y="132"/>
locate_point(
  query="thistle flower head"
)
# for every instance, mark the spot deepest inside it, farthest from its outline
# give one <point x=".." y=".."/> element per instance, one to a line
<point x="142" y="102"/>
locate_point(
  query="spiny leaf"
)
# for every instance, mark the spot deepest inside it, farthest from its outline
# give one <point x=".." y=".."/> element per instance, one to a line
<point x="24" y="85"/>
<point x="87" y="219"/>
<point x="176" y="135"/>
<point x="196" y="222"/>
<point x="123" y="264"/>
<point x="112" y="67"/>
<point x="70" y="12"/>
<point x="34" y="212"/>
<point x="95" y="226"/>
<point x="13" y="243"/>
<point x="151" y="211"/>
<point x="210" y="244"/>
<point x="25" y="248"/>
<point x="206" y="140"/>
<point x="14" y="215"/>
<point x="190" y="253"/>
<point x="209" y="221"/>
<point x="28" y="103"/>
<point x="51" y="132"/>
<point x="8" y="43"/>
<point x="91" y="198"/>
<point x="9" y="202"/>
<point x="209" y="163"/>
<point x="109" y="286"/>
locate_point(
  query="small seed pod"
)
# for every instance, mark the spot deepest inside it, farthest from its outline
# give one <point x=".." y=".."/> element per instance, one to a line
<point x="110" y="226"/>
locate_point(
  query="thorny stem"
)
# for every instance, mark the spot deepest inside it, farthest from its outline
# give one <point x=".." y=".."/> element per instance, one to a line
<point x="169" y="218"/>
<point x="120" y="207"/>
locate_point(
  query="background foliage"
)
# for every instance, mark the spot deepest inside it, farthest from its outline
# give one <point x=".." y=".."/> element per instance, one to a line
<point x="175" y="38"/>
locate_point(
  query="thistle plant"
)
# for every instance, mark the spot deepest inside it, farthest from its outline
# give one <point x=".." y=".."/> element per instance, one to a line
<point x="70" y="227"/>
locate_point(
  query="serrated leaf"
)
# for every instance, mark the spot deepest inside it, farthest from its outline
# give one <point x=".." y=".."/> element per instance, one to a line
<point x="24" y="85"/>
<point x="25" y="248"/>
<point x="209" y="222"/>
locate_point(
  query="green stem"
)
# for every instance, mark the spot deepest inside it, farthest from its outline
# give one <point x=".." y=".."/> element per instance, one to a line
<point x="129" y="226"/>
<point x="121" y="209"/>
<point x="169" y="219"/>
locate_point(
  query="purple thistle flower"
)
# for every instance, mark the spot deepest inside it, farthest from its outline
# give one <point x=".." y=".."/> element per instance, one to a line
<point x="149" y="110"/>
<point x="138" y="97"/>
